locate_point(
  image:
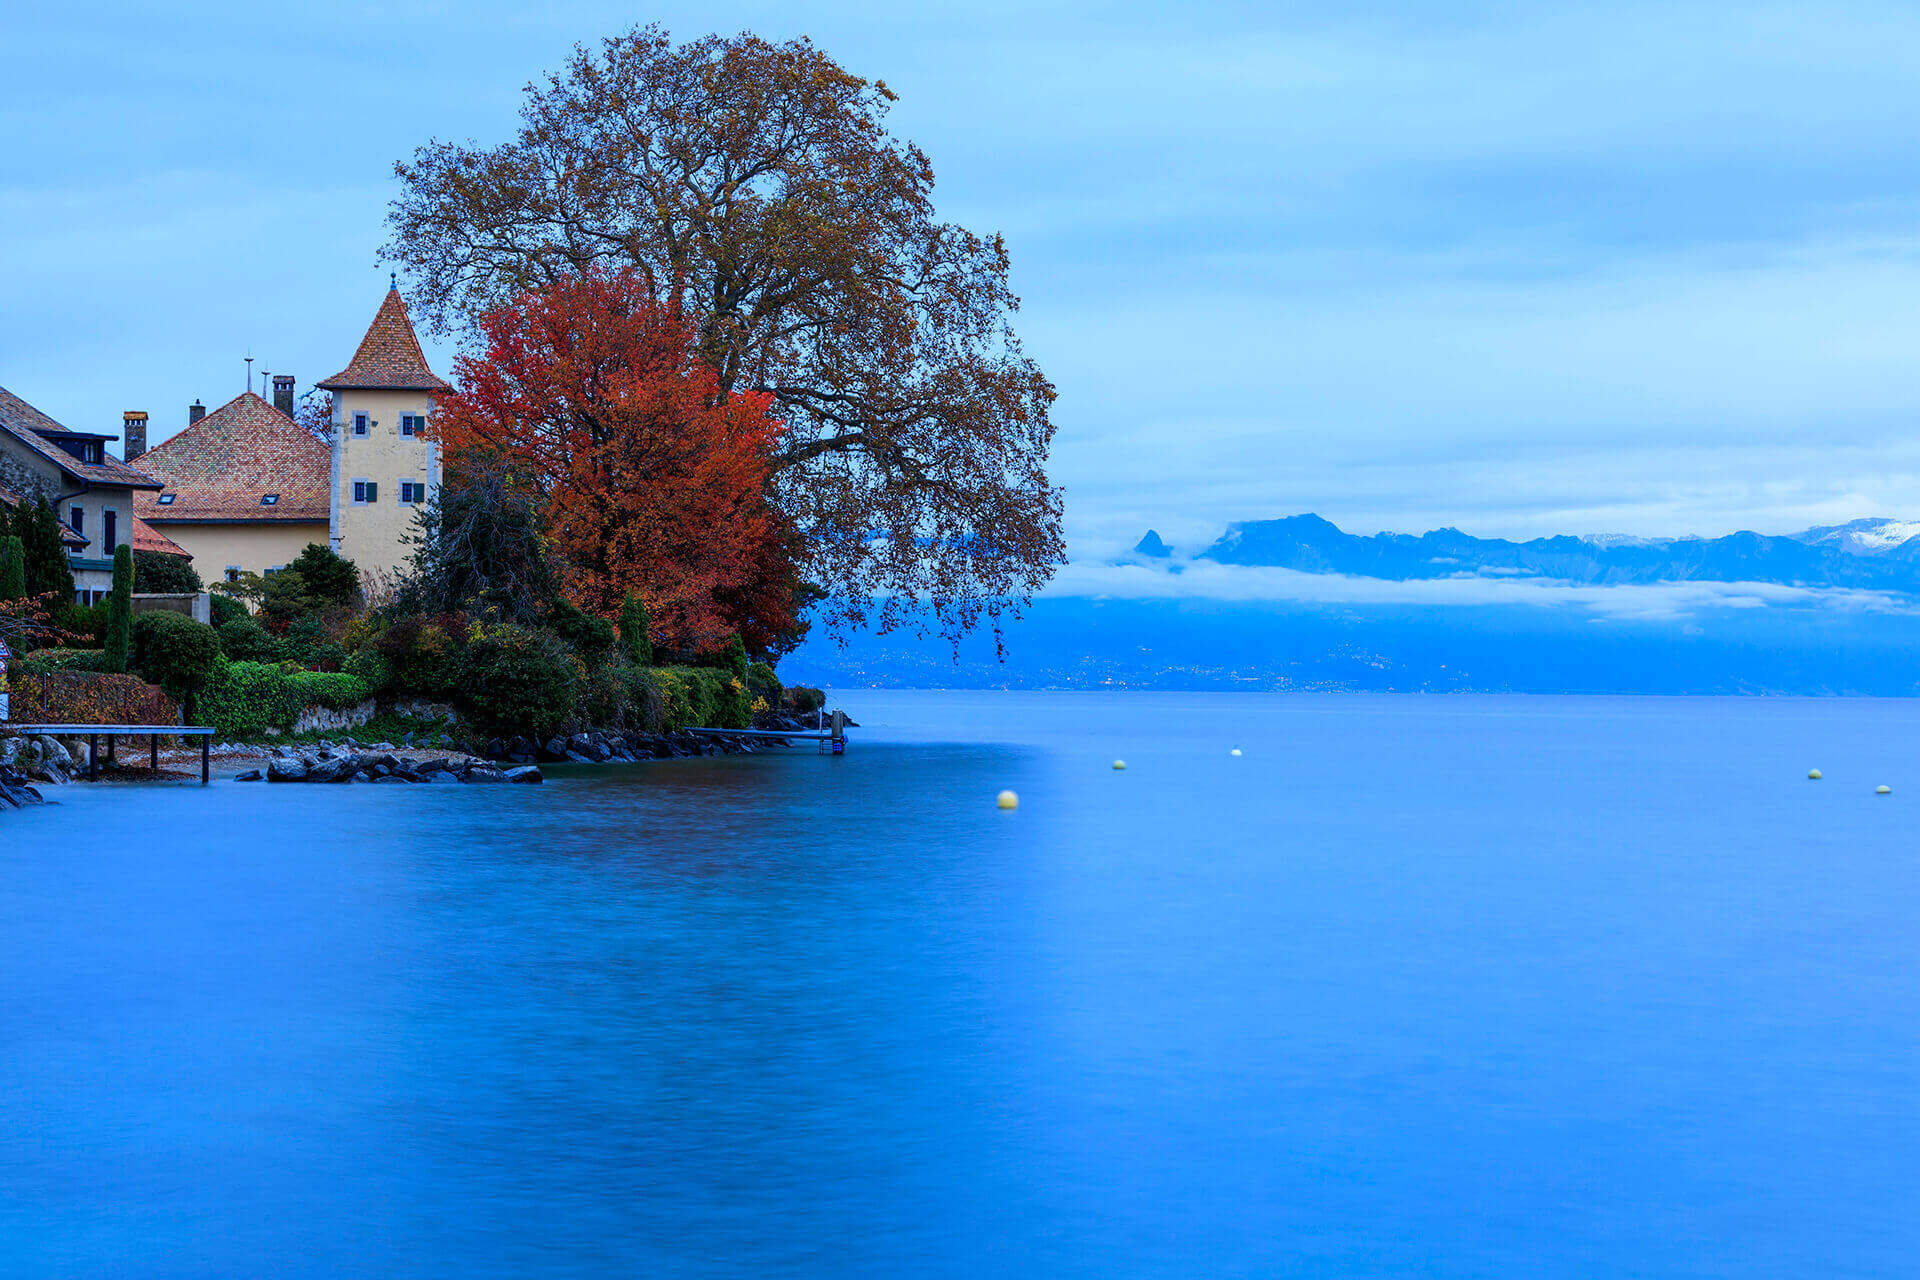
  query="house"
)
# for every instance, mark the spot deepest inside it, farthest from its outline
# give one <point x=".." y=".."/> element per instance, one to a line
<point x="91" y="491"/>
<point x="243" y="489"/>
<point x="383" y="467"/>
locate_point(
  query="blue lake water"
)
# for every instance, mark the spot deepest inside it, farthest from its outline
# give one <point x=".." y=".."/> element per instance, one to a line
<point x="1446" y="986"/>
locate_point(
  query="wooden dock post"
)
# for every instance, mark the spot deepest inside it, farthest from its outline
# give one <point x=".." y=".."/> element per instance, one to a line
<point x="839" y="733"/>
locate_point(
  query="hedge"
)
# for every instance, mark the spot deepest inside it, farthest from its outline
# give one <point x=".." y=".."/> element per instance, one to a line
<point x="705" y="697"/>
<point x="87" y="697"/>
<point x="245" y="699"/>
<point x="69" y="659"/>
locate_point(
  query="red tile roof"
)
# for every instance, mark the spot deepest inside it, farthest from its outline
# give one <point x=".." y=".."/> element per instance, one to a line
<point x="222" y="466"/>
<point x="148" y="538"/>
<point x="25" y="423"/>
<point x="389" y="358"/>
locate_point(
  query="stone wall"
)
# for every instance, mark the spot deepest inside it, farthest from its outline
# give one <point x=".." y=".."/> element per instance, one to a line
<point x="197" y="605"/>
<point x="325" y="719"/>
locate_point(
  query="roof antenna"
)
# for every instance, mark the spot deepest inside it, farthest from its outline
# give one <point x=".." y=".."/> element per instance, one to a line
<point x="393" y="281"/>
<point x="249" y="373"/>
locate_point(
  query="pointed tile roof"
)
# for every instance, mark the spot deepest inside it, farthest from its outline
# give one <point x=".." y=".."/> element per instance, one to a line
<point x="389" y="358"/>
<point x="224" y="466"/>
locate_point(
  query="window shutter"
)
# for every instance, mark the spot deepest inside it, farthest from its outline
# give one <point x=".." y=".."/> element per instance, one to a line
<point x="373" y="491"/>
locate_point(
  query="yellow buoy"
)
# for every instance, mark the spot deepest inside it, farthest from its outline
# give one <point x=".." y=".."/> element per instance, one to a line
<point x="1814" y="774"/>
<point x="1883" y="790"/>
<point x="1008" y="800"/>
<point x="1235" y="751"/>
<point x="1119" y="764"/>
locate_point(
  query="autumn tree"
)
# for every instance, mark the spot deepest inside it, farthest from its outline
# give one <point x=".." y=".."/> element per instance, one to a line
<point x="757" y="183"/>
<point x="652" y="478"/>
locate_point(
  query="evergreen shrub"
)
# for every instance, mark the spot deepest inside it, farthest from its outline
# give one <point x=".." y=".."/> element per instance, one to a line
<point x="515" y="680"/>
<point x="244" y="640"/>
<point x="372" y="668"/>
<point x="119" y="637"/>
<point x="226" y="609"/>
<point x="174" y="652"/>
<point x="165" y="574"/>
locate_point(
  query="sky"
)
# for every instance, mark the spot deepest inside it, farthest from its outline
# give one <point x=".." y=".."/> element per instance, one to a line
<point x="1521" y="269"/>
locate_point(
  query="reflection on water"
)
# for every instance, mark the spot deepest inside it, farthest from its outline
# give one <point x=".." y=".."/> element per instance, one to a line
<point x="1418" y="985"/>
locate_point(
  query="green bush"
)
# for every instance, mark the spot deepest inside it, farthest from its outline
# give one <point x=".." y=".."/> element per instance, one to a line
<point x="245" y="699"/>
<point x="764" y="685"/>
<point x="425" y="652"/>
<point x="87" y="622"/>
<point x="174" y="652"/>
<point x="590" y="636"/>
<point x="244" y="640"/>
<point x="334" y="690"/>
<point x="372" y="668"/>
<point x="513" y="680"/>
<point x="605" y="700"/>
<point x="69" y="659"/>
<point x="119" y="637"/>
<point x="699" y="697"/>
<point x="805" y="700"/>
<point x="283" y="597"/>
<point x="166" y="574"/>
<point x="226" y="609"/>
<point x="636" y="633"/>
<point x="13" y="568"/>
<point x="328" y="577"/>
<point x="643" y="704"/>
<point x="308" y="644"/>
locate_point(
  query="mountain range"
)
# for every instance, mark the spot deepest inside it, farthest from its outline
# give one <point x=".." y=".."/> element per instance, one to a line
<point x="1876" y="554"/>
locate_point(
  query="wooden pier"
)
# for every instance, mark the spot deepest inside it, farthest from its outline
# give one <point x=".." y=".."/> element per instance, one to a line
<point x="834" y="735"/>
<point x="113" y="732"/>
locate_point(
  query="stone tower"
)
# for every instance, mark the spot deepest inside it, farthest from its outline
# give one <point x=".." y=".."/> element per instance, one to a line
<point x="383" y="465"/>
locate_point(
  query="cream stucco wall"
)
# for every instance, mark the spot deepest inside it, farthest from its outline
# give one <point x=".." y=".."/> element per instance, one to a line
<point x="255" y="546"/>
<point x="374" y="534"/>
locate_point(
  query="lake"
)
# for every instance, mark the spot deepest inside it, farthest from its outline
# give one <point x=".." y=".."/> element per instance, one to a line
<point x="1434" y="986"/>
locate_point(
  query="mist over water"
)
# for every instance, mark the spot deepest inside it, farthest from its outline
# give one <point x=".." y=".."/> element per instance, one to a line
<point x="1443" y="986"/>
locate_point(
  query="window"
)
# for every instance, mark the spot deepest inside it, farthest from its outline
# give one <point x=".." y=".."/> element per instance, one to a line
<point x="77" y="518"/>
<point x="365" y="491"/>
<point x="233" y="573"/>
<point x="412" y="491"/>
<point x="110" y="530"/>
<point x="165" y="499"/>
<point x="359" y="424"/>
<point x="412" y="424"/>
<point x="273" y="569"/>
<point x="269" y="499"/>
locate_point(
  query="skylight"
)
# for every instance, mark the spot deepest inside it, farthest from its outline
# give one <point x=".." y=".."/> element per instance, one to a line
<point x="270" y="500"/>
<point x="166" y="499"/>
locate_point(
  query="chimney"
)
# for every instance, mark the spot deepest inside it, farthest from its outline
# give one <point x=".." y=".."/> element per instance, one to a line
<point x="195" y="412"/>
<point x="283" y="393"/>
<point x="135" y="441"/>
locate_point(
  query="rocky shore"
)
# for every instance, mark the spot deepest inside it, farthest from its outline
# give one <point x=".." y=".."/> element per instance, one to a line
<point x="37" y="759"/>
<point x="509" y="760"/>
<point x="25" y="761"/>
<point x="16" y="790"/>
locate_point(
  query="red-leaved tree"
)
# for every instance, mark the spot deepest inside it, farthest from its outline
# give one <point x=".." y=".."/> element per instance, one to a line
<point x="654" y="479"/>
